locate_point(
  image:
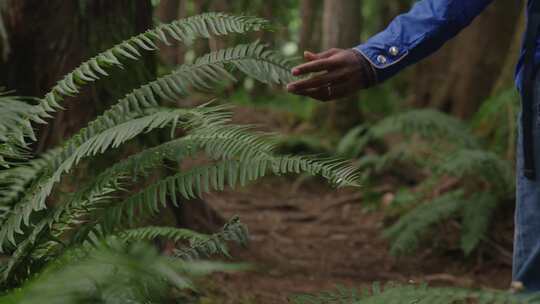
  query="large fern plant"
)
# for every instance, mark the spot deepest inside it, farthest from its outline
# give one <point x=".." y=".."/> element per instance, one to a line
<point x="461" y="179"/>
<point x="38" y="225"/>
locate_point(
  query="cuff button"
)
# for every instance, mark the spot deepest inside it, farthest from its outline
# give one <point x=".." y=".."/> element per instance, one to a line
<point x="382" y="59"/>
<point x="394" y="51"/>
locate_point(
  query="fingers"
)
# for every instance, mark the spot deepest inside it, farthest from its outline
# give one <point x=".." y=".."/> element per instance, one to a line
<point x="309" y="56"/>
<point x="327" y="53"/>
<point x="325" y="94"/>
<point x="318" y="65"/>
<point x="317" y="81"/>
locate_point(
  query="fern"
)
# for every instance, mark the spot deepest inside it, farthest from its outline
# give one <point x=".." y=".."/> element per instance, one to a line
<point x="194" y="183"/>
<point x="185" y="31"/>
<point x="444" y="149"/>
<point x="35" y="200"/>
<point x="430" y="124"/>
<point x="406" y="233"/>
<point x="480" y="164"/>
<point x="216" y="244"/>
<point x="112" y="205"/>
<point x="115" y="272"/>
<point x="394" y="293"/>
<point x="477" y="214"/>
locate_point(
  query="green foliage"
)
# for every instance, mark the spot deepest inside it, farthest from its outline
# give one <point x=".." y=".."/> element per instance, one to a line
<point x="393" y="293"/>
<point x="40" y="223"/>
<point x="445" y="150"/>
<point x="113" y="272"/>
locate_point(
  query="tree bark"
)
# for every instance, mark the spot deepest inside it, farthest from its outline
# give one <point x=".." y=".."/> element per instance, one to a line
<point x="51" y="38"/>
<point x="460" y="76"/>
<point x="342" y="29"/>
<point x="311" y="27"/>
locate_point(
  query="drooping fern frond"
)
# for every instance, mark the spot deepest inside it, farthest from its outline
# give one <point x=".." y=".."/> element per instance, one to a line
<point x="202" y="179"/>
<point x="185" y="30"/>
<point x="216" y="244"/>
<point x="35" y="199"/>
<point x="407" y="232"/>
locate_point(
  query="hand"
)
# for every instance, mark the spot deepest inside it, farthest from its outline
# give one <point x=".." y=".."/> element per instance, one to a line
<point x="345" y="72"/>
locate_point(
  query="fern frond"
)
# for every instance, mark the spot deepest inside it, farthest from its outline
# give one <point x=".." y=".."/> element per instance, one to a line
<point x="14" y="119"/>
<point x="16" y="180"/>
<point x="35" y="199"/>
<point x="151" y="233"/>
<point x="216" y="244"/>
<point x="112" y="273"/>
<point x="406" y="233"/>
<point x="393" y="293"/>
<point x="477" y="214"/>
<point x="488" y="166"/>
<point x="428" y="123"/>
<point x="254" y="60"/>
<point x="15" y="129"/>
<point x="208" y="71"/>
<point x="199" y="180"/>
<point x="185" y="30"/>
<point x="43" y="240"/>
<point x="219" y="142"/>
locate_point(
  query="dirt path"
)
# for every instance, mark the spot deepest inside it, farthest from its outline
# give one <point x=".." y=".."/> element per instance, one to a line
<point x="309" y="237"/>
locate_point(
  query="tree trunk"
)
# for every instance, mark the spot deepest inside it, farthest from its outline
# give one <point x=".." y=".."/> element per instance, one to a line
<point x="341" y="29"/>
<point x="311" y="16"/>
<point x="464" y="72"/>
<point x="50" y="38"/>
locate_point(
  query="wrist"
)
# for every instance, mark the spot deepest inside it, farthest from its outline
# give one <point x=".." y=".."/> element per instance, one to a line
<point x="368" y="71"/>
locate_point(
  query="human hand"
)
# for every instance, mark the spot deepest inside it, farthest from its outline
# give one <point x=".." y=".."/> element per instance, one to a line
<point x="344" y="73"/>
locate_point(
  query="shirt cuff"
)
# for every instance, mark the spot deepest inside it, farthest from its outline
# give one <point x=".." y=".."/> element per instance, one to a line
<point x="387" y="60"/>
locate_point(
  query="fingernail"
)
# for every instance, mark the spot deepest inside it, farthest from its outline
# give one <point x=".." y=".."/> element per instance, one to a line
<point x="290" y="87"/>
<point x="295" y="72"/>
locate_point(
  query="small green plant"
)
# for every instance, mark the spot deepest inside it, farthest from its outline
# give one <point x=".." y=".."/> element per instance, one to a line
<point x="395" y="293"/>
<point x="446" y="152"/>
<point x="39" y="225"/>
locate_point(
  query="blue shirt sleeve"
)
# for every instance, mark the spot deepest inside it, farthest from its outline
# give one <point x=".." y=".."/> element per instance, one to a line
<point x="420" y="32"/>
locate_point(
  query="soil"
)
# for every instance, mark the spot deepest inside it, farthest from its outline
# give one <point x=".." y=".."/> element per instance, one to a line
<point x="309" y="237"/>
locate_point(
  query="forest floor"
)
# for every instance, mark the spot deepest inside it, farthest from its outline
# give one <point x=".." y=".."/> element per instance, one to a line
<point x="309" y="237"/>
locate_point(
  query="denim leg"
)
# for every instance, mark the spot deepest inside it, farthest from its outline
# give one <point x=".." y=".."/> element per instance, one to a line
<point x="526" y="268"/>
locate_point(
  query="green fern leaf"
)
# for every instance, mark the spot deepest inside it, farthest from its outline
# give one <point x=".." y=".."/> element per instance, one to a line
<point x="185" y="31"/>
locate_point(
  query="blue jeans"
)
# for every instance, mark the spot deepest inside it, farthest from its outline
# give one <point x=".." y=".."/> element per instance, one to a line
<point x="526" y="268"/>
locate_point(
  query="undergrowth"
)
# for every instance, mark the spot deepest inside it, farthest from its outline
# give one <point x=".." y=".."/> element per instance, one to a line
<point x="462" y="174"/>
